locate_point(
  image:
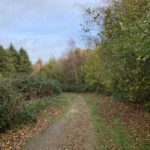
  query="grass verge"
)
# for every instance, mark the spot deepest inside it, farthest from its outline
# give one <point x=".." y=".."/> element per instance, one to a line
<point x="118" y="126"/>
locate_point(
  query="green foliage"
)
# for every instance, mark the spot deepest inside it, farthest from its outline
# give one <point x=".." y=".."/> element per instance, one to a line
<point x="108" y="136"/>
<point x="17" y="85"/>
<point x="13" y="93"/>
<point x="24" y="62"/>
<point x="68" y="69"/>
<point x="32" y="87"/>
<point x="121" y="62"/>
<point x="6" y="63"/>
<point x="144" y="147"/>
<point x="130" y="54"/>
<point x="2" y="59"/>
<point x="34" y="107"/>
<point x="53" y="69"/>
<point x="77" y="88"/>
<point x="10" y="97"/>
<point x="95" y="72"/>
<point x="13" y="62"/>
<point x="9" y="104"/>
<point x="14" y="57"/>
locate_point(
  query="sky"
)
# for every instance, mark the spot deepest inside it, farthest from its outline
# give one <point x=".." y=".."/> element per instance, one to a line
<point x="42" y="27"/>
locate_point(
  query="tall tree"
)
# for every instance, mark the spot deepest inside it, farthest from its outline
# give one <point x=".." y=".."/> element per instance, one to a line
<point x="13" y="57"/>
<point x="71" y="44"/>
<point x="6" y="63"/>
<point x="2" y="59"/>
<point x="24" y="62"/>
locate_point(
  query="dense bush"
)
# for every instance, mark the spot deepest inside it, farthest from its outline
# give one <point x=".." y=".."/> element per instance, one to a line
<point x="84" y="88"/>
<point x="13" y="92"/>
<point x="9" y="104"/>
<point x="76" y="88"/>
<point x="36" y="87"/>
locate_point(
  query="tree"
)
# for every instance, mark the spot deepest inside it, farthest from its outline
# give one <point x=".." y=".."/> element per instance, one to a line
<point x="24" y="62"/>
<point x="37" y="67"/>
<point x="64" y="69"/>
<point x="53" y="69"/>
<point x="2" y="60"/>
<point x="6" y="65"/>
<point x="13" y="57"/>
<point x="124" y="50"/>
<point x="96" y="71"/>
<point x="71" y="44"/>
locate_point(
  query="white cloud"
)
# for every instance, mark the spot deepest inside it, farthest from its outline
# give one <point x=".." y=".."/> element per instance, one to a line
<point x="40" y="26"/>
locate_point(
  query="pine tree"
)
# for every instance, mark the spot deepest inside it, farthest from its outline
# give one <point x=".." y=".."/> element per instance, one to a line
<point x="6" y="62"/>
<point x="24" y="62"/>
<point x="14" y="57"/>
<point x="2" y="59"/>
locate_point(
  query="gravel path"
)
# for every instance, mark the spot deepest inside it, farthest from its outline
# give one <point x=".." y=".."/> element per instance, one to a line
<point x="73" y="132"/>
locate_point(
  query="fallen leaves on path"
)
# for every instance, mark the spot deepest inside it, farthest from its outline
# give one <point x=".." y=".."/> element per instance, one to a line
<point x="15" y="139"/>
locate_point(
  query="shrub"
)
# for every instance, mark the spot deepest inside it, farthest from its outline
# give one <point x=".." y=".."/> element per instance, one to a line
<point x="13" y="92"/>
<point x="75" y="88"/>
<point x="36" y="87"/>
<point x="84" y="88"/>
<point x="9" y="104"/>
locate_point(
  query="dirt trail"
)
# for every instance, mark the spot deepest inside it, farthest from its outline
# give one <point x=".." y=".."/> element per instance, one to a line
<point x="73" y="132"/>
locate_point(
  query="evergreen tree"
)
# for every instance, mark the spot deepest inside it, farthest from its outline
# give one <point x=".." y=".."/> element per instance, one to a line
<point x="6" y="63"/>
<point x="24" y="62"/>
<point x="2" y="59"/>
<point x="14" y="56"/>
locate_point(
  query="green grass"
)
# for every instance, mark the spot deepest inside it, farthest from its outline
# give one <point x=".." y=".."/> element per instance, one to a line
<point x="120" y="136"/>
<point x="33" y="108"/>
<point x="108" y="136"/>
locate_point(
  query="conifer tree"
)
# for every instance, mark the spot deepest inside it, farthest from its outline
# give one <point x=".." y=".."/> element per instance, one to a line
<point x="6" y="62"/>
<point x="24" y="62"/>
<point x="14" y="57"/>
<point x="2" y="59"/>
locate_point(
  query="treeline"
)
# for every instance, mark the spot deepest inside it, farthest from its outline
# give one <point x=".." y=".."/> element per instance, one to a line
<point x="17" y="85"/>
<point x="68" y="70"/>
<point x="120" y="64"/>
<point x="14" y="62"/>
<point x="121" y="61"/>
